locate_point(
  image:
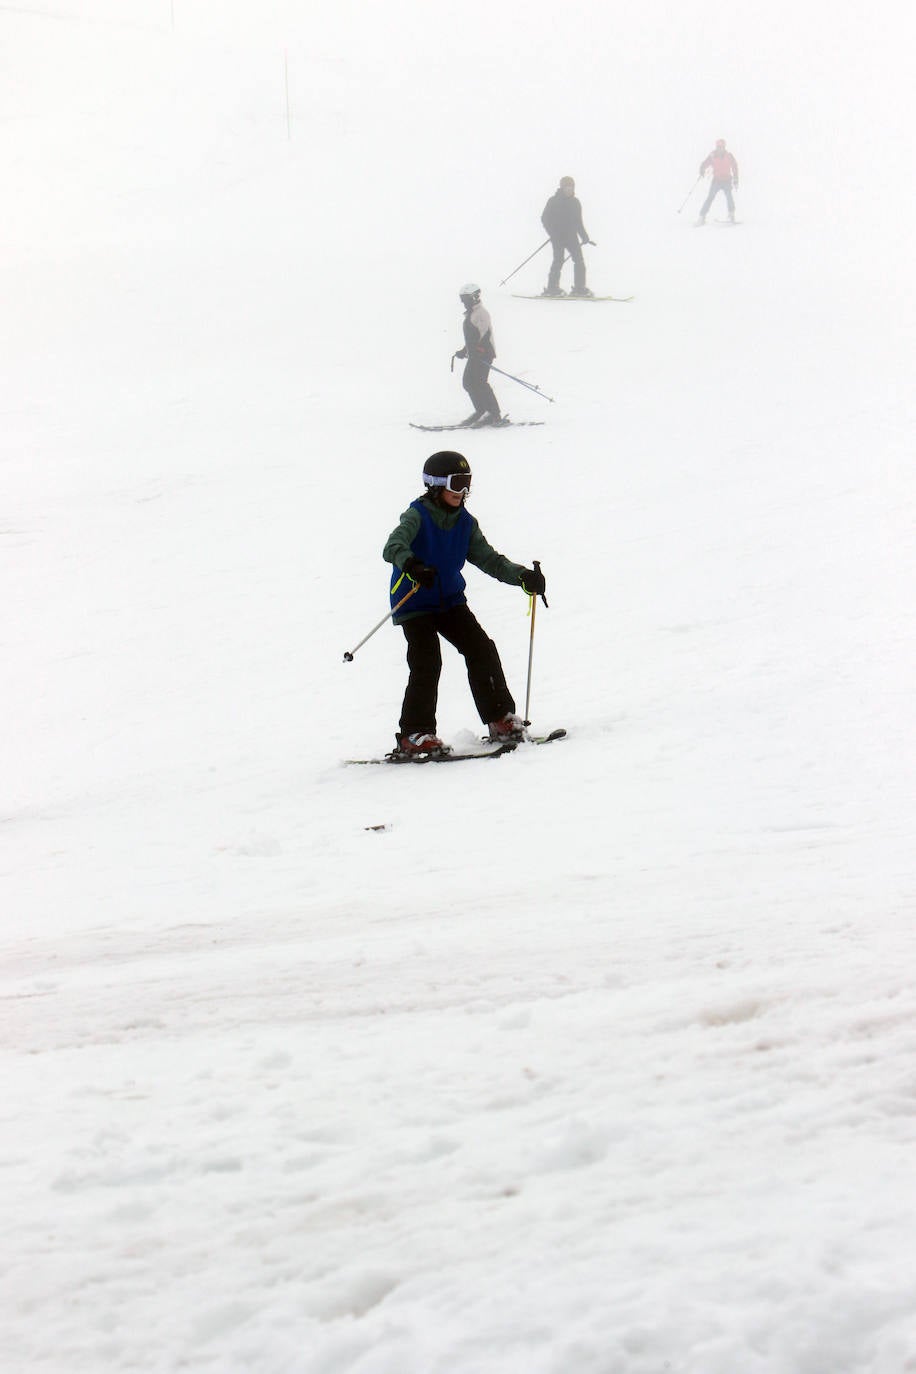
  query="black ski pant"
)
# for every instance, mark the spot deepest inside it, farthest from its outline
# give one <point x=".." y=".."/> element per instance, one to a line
<point x="476" y="384"/>
<point x="714" y="190"/>
<point x="561" y="247"/>
<point x="424" y="659"/>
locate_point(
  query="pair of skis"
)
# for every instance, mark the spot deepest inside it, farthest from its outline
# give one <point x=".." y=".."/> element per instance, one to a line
<point x="447" y="755"/>
<point x="566" y="296"/>
<point x="508" y="424"/>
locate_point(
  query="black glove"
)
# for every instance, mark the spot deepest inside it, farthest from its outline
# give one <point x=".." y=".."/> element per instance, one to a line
<point x="462" y="353"/>
<point x="533" y="582"/>
<point x="420" y="572"/>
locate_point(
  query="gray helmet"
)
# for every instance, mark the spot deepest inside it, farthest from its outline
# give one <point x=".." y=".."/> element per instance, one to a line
<point x="470" y="292"/>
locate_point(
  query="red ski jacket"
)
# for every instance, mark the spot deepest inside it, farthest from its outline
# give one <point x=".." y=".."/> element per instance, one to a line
<point x="724" y="167"/>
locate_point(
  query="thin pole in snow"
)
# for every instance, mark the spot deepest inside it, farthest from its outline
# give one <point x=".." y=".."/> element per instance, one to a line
<point x="534" y="606"/>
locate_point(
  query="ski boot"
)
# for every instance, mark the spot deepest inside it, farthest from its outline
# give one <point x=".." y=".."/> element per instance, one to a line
<point x="419" y="746"/>
<point x="509" y="729"/>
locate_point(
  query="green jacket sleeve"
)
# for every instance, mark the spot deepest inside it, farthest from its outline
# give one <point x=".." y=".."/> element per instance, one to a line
<point x="397" y="548"/>
<point x="483" y="555"/>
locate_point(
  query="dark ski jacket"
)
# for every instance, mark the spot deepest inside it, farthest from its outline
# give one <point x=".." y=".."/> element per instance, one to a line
<point x="444" y="539"/>
<point x="562" y="218"/>
<point x="478" y="335"/>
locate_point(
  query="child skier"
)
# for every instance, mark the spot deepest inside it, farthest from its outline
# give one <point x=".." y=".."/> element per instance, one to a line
<point x="479" y="350"/>
<point x="434" y="538"/>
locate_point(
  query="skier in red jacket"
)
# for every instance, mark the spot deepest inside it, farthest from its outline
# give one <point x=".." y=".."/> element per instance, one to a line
<point x="724" y="170"/>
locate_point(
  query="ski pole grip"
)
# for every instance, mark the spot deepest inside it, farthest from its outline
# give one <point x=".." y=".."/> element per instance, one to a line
<point x="537" y="568"/>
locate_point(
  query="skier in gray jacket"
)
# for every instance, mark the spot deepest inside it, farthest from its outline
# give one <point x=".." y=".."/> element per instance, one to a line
<point x="562" y="218"/>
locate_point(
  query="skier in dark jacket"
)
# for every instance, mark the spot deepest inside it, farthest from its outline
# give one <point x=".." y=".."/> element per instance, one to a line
<point x="479" y="350"/>
<point x="562" y="218"/>
<point x="724" y="170"/>
<point x="429" y="546"/>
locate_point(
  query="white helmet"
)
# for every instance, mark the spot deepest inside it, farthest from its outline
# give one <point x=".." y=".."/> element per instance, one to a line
<point x="470" y="292"/>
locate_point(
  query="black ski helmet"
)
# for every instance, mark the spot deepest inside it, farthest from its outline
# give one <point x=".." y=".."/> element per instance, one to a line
<point x="440" y="468"/>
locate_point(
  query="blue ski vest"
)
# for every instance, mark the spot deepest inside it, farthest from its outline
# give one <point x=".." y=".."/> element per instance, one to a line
<point x="444" y="550"/>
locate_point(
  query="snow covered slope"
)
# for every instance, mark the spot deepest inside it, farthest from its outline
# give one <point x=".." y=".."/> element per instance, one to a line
<point x="595" y="1058"/>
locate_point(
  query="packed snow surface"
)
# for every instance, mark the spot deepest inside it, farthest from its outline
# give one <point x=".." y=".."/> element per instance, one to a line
<point x="596" y="1059"/>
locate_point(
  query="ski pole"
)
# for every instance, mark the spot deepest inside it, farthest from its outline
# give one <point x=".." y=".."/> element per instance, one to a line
<point x="690" y="192"/>
<point x="534" y="606"/>
<point x="529" y="385"/>
<point x="522" y="264"/>
<point x="348" y="656"/>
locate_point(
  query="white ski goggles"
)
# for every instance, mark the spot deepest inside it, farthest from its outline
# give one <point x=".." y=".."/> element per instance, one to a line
<point x="455" y="481"/>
